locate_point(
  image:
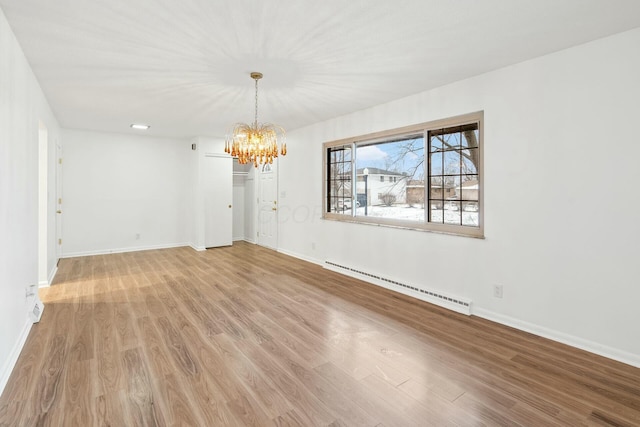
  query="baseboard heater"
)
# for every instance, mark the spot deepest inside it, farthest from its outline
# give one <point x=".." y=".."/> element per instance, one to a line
<point x="457" y="304"/>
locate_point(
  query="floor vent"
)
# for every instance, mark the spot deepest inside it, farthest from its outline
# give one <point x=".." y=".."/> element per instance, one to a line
<point x="463" y="306"/>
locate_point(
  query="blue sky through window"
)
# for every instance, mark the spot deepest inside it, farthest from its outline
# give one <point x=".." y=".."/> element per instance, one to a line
<point x="404" y="156"/>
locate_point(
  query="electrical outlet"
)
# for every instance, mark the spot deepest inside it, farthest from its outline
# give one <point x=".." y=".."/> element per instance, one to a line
<point x="30" y="291"/>
<point x="497" y="291"/>
<point x="137" y="236"/>
<point x="313" y="246"/>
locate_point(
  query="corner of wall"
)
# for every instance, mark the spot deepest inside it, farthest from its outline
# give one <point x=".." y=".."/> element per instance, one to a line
<point x="10" y="363"/>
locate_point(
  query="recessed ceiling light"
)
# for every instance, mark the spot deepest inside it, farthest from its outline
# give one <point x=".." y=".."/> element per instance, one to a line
<point x="141" y="127"/>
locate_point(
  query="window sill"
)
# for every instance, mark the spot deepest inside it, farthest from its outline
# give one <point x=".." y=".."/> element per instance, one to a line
<point x="452" y="230"/>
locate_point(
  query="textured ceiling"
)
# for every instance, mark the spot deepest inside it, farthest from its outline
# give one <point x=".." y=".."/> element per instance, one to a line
<point x="183" y="66"/>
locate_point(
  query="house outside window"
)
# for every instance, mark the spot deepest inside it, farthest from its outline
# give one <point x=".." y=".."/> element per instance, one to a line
<point x="434" y="177"/>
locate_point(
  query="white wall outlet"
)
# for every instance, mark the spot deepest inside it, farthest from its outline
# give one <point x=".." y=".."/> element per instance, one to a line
<point x="313" y="246"/>
<point x="30" y="291"/>
<point x="497" y="291"/>
<point x="137" y="236"/>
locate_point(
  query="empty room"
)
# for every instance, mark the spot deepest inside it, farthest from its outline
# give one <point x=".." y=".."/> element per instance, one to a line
<point x="338" y="213"/>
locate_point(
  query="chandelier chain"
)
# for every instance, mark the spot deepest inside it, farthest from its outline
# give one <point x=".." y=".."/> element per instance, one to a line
<point x="256" y="114"/>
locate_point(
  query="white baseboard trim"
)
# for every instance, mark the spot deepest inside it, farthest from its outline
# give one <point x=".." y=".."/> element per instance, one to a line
<point x="250" y="241"/>
<point x="300" y="256"/>
<point x="123" y="250"/>
<point x="13" y="356"/>
<point x="590" y="346"/>
<point x="238" y="238"/>
<point x="49" y="281"/>
<point x="401" y="290"/>
<point x="198" y="248"/>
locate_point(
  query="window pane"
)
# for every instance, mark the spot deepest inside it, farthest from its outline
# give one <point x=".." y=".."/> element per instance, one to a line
<point x="339" y="179"/>
<point x="470" y="215"/>
<point x="436" y="193"/>
<point x="436" y="143"/>
<point x="449" y="187"/>
<point x="470" y="159"/>
<point x="453" y="140"/>
<point x="436" y="163"/>
<point x="446" y="139"/>
<point x="452" y="162"/>
<point x="393" y="185"/>
<point x="452" y="213"/>
<point x="436" y="211"/>
<point x="469" y="187"/>
<point x="470" y="135"/>
<point x="455" y="191"/>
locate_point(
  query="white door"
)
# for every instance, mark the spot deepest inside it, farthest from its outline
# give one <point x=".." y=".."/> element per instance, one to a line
<point x="218" y="194"/>
<point x="268" y="207"/>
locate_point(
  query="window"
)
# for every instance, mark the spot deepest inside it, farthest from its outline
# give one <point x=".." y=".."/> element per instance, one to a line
<point x="434" y="177"/>
<point x="453" y="174"/>
<point x="339" y="180"/>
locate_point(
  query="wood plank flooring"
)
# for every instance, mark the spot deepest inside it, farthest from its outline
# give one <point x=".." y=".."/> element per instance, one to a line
<point x="244" y="336"/>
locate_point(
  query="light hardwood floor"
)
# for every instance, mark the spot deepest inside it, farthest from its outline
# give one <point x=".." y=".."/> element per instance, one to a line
<point x="246" y="336"/>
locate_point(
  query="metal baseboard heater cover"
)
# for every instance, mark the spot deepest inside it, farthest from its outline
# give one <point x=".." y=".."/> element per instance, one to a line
<point x="462" y="305"/>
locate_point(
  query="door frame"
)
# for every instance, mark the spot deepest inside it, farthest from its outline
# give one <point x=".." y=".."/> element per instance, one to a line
<point x="58" y="201"/>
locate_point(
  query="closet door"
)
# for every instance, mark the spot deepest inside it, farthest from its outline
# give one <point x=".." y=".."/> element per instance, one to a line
<point x="218" y="195"/>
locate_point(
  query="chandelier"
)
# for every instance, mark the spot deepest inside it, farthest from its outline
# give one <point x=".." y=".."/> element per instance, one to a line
<point x="255" y="143"/>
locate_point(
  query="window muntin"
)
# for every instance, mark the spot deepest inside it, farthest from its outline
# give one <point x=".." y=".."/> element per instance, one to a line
<point x="427" y="176"/>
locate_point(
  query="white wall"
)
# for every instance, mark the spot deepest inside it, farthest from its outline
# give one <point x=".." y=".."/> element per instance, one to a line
<point x="118" y="186"/>
<point x="250" y="205"/>
<point x="561" y="202"/>
<point x="238" y="207"/>
<point x="22" y="107"/>
<point x="43" y="208"/>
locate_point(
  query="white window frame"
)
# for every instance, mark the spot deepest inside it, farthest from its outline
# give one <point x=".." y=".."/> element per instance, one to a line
<point x="362" y="140"/>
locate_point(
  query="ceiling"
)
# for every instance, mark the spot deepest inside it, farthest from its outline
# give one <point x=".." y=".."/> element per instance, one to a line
<point x="183" y="66"/>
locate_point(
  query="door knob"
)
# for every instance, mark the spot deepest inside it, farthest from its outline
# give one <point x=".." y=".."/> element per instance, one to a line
<point x="229" y="205"/>
<point x="58" y="211"/>
<point x="274" y="209"/>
